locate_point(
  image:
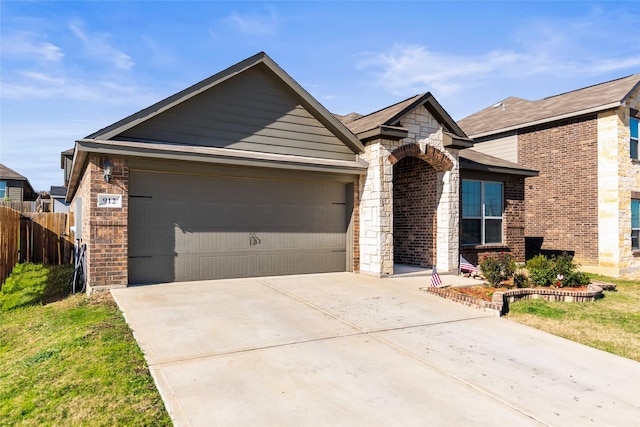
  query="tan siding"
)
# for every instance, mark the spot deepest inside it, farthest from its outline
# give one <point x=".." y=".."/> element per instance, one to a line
<point x="249" y="112"/>
<point x="14" y="193"/>
<point x="505" y="147"/>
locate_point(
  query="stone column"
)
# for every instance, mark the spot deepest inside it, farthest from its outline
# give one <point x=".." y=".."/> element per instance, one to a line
<point x="448" y="232"/>
<point x="376" y="210"/>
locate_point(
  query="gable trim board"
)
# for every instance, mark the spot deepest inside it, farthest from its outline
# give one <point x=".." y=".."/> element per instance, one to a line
<point x="266" y="65"/>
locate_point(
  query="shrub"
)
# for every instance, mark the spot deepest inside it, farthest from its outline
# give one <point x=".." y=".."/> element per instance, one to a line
<point x="540" y="271"/>
<point x="521" y="278"/>
<point x="560" y="271"/>
<point x="497" y="268"/>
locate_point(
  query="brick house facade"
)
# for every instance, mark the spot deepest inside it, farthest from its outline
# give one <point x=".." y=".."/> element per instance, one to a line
<point x="562" y="201"/>
<point x="104" y="231"/>
<point x="580" y="142"/>
<point x="401" y="168"/>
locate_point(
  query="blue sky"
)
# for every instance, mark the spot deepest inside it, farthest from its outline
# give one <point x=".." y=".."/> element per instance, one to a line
<point x="70" y="68"/>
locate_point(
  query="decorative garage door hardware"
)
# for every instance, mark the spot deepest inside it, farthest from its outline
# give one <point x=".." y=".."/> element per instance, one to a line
<point x="254" y="240"/>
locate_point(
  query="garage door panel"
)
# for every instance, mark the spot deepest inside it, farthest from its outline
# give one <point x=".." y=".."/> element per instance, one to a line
<point x="200" y="227"/>
<point x="151" y="269"/>
<point x="211" y="267"/>
<point x="212" y="241"/>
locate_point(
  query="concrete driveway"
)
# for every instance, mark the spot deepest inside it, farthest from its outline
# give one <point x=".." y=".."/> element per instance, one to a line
<point x="347" y="349"/>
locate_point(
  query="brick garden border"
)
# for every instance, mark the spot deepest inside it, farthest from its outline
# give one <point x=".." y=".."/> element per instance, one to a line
<point x="499" y="303"/>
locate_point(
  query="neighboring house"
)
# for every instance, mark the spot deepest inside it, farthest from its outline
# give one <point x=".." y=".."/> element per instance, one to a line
<point x="246" y="174"/>
<point x="586" y="199"/>
<point x="58" y="195"/>
<point x="15" y="187"/>
<point x="66" y="162"/>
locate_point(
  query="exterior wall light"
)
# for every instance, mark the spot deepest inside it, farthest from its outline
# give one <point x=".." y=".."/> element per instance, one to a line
<point x="107" y="168"/>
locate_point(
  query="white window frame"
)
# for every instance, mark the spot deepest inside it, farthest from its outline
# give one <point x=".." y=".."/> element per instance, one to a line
<point x="483" y="217"/>
<point x="3" y="190"/>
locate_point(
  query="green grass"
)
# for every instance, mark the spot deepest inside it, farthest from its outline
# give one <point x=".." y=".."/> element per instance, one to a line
<point x="73" y="362"/>
<point x="31" y="284"/>
<point x="611" y="324"/>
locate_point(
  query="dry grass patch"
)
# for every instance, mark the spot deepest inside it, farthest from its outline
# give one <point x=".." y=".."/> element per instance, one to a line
<point x="611" y="324"/>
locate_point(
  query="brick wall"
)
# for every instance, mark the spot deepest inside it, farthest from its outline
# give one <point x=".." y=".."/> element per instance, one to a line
<point x="356" y="226"/>
<point x="104" y="230"/>
<point x="562" y="202"/>
<point x="513" y="225"/>
<point x="414" y="212"/>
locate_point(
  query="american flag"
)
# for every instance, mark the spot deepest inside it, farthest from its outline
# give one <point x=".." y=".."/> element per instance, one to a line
<point x="467" y="266"/>
<point x="435" y="278"/>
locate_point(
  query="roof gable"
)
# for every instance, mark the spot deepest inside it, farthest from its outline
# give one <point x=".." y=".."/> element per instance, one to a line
<point x="514" y="113"/>
<point x="251" y="102"/>
<point x="7" y="173"/>
<point x="392" y="115"/>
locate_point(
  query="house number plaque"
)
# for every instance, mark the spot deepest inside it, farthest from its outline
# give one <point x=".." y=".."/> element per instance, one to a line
<point x="109" y="200"/>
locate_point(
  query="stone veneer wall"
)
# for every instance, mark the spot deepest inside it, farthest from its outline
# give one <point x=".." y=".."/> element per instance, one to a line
<point x="376" y="195"/>
<point x="414" y="212"/>
<point x="618" y="183"/>
<point x="355" y="234"/>
<point x="376" y="209"/>
<point x="562" y="202"/>
<point x="104" y="230"/>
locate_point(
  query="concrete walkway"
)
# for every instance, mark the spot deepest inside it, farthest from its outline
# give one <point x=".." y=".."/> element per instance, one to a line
<point x="347" y="349"/>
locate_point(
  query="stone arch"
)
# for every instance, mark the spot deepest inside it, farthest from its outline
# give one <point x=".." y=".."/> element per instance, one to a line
<point x="432" y="155"/>
<point x="415" y="204"/>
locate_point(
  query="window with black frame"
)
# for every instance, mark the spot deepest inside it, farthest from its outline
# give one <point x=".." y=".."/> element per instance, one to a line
<point x="482" y="206"/>
<point x="635" y="224"/>
<point x="633" y="147"/>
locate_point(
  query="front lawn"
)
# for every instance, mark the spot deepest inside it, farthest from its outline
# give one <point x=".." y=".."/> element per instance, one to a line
<point x="72" y="362"/>
<point x="611" y="324"/>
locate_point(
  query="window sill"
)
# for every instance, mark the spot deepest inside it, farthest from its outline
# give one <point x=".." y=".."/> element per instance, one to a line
<point x="635" y="252"/>
<point x="492" y="246"/>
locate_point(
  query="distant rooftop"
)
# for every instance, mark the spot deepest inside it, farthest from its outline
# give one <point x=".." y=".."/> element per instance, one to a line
<point x="514" y="113"/>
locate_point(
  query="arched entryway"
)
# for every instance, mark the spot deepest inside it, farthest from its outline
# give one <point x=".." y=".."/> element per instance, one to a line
<point x="415" y="191"/>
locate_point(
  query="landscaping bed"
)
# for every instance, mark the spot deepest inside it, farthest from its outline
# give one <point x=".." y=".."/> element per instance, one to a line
<point x="552" y="279"/>
<point x="496" y="299"/>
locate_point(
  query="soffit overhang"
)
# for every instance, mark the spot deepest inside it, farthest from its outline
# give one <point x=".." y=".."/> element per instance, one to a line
<point x="200" y="154"/>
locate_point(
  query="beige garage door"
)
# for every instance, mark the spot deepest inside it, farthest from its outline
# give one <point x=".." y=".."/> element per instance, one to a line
<point x="189" y="227"/>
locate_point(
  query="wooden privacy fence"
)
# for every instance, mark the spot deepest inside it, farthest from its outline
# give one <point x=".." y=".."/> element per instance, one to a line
<point x="34" y="237"/>
<point x="20" y="206"/>
<point x="9" y="241"/>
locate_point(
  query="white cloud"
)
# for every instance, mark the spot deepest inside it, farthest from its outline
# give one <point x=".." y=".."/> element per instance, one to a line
<point x="27" y="44"/>
<point x="539" y="50"/>
<point x="37" y="85"/>
<point x="98" y="45"/>
<point x="409" y="69"/>
<point x="254" y="25"/>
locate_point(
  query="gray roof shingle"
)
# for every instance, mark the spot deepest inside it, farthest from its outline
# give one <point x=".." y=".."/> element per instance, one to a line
<point x="513" y="113"/>
<point x="6" y="173"/>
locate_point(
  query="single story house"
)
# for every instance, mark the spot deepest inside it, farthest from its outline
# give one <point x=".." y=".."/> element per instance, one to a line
<point x="584" y="143"/>
<point x="15" y="187"/>
<point x="246" y="174"/>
